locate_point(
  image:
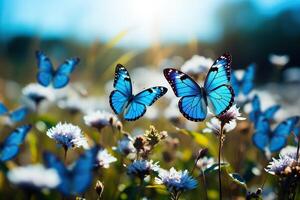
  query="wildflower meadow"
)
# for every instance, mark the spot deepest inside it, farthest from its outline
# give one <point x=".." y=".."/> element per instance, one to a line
<point x="170" y="120"/>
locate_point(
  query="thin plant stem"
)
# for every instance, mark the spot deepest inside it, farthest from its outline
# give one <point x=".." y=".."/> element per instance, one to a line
<point x="65" y="154"/>
<point x="298" y="147"/>
<point x="204" y="183"/>
<point x="219" y="160"/>
<point x="141" y="188"/>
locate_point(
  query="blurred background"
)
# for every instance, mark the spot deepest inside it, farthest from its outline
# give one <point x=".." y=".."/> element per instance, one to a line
<point x="142" y="32"/>
<point x="147" y="36"/>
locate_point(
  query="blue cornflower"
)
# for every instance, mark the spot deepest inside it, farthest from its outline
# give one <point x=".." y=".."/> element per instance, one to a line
<point x="68" y="135"/>
<point x="176" y="181"/>
<point x="125" y="145"/>
<point x="142" y="168"/>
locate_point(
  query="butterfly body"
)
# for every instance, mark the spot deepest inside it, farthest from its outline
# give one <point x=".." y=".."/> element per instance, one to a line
<point x="216" y="93"/>
<point x="123" y="100"/>
<point x="265" y="138"/>
<point x="47" y="75"/>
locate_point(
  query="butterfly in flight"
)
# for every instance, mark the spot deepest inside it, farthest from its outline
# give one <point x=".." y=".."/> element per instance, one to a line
<point x="266" y="139"/>
<point x="256" y="112"/>
<point x="246" y="83"/>
<point x="217" y="93"/>
<point x="16" y="115"/>
<point x="76" y="178"/>
<point x="122" y="100"/>
<point x="47" y="75"/>
<point x="9" y="148"/>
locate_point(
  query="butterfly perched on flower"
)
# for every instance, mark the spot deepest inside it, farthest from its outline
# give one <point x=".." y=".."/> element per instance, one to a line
<point x="14" y="116"/>
<point x="122" y="100"/>
<point x="270" y="140"/>
<point x="245" y="83"/>
<point x="9" y="148"/>
<point x="59" y="77"/>
<point x="256" y="112"/>
<point x="216" y="93"/>
<point x="77" y="178"/>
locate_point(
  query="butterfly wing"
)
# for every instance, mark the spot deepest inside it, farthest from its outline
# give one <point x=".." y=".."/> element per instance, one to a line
<point x="256" y="110"/>
<point x="3" y="109"/>
<point x="10" y="146"/>
<point x="181" y="83"/>
<point x="193" y="108"/>
<point x="220" y="94"/>
<point x="286" y="127"/>
<point x="221" y="99"/>
<point x="18" y="114"/>
<point x="137" y="106"/>
<point x="82" y="173"/>
<point x="261" y="136"/>
<point x="150" y="95"/>
<point x="277" y="143"/>
<point x="235" y="83"/>
<point x="281" y="132"/>
<point x="248" y="79"/>
<point x="61" y="77"/>
<point x="52" y="161"/>
<point x="271" y="111"/>
<point x="193" y="104"/>
<point x="45" y="69"/>
<point x="122" y="83"/>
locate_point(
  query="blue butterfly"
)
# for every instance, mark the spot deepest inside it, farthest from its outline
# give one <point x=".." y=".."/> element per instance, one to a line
<point x="245" y="84"/>
<point x="59" y="77"/>
<point x="216" y="93"/>
<point x="256" y="112"/>
<point x="77" y="178"/>
<point x="122" y="99"/>
<point x="266" y="139"/>
<point x="15" y="115"/>
<point x="10" y="147"/>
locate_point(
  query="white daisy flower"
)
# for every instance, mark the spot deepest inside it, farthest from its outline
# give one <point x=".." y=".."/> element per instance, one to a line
<point x="100" y="119"/>
<point x="231" y="115"/>
<point x="37" y="93"/>
<point x="34" y="177"/>
<point x="279" y="60"/>
<point x="176" y="181"/>
<point x="142" y="168"/>
<point x="73" y="105"/>
<point x="104" y="158"/>
<point x="214" y="126"/>
<point x="197" y="65"/>
<point x="205" y="162"/>
<point x="68" y="135"/>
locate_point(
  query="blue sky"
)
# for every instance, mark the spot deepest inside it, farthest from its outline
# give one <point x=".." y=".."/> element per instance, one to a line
<point x="147" y="20"/>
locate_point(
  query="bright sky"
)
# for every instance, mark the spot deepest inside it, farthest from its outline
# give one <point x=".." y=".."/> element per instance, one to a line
<point x="147" y="20"/>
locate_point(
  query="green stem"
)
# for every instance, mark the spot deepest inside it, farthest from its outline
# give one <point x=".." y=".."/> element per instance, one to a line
<point x="219" y="160"/>
<point x="204" y="184"/>
<point x="141" y="189"/>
